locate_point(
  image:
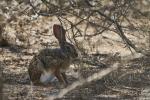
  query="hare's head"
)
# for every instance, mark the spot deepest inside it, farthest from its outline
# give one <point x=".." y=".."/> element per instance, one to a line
<point x="68" y="48"/>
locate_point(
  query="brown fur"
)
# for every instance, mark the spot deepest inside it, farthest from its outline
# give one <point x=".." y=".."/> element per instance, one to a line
<point x="55" y="61"/>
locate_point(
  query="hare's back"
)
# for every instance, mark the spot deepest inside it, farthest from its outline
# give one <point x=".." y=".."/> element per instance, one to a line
<point x="53" y="58"/>
<point x="52" y="53"/>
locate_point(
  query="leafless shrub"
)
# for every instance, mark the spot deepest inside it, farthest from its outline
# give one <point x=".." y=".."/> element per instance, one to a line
<point x="112" y="15"/>
<point x="101" y="16"/>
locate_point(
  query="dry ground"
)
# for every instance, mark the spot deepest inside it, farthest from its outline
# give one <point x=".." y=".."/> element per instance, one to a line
<point x="130" y="81"/>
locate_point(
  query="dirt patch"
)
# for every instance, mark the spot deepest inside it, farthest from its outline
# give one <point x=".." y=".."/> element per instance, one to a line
<point x="127" y="82"/>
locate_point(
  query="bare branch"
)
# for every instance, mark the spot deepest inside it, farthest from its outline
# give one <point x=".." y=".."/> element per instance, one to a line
<point x="91" y="78"/>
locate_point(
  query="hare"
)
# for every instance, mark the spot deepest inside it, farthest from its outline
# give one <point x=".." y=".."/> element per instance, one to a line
<point x="53" y="62"/>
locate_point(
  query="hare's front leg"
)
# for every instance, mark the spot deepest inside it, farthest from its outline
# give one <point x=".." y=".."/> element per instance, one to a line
<point x="64" y="77"/>
<point x="60" y="77"/>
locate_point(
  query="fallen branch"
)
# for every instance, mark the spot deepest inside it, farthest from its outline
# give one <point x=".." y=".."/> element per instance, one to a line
<point x="91" y="78"/>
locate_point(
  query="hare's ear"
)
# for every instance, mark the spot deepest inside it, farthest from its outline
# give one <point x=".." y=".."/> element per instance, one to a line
<point x="59" y="33"/>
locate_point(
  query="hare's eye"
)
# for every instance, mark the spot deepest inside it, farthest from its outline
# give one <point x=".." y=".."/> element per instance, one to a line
<point x="68" y="49"/>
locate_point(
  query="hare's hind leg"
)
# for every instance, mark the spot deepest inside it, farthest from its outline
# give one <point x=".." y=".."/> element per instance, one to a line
<point x="35" y="79"/>
<point x="35" y="75"/>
